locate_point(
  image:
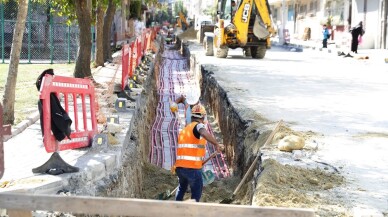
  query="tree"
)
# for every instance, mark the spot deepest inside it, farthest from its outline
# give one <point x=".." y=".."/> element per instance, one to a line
<point x="99" y="35"/>
<point x="108" y="19"/>
<point x="84" y="18"/>
<point x="10" y="86"/>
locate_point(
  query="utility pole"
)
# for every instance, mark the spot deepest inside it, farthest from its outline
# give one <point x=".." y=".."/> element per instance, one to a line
<point x="383" y="35"/>
<point x="282" y="39"/>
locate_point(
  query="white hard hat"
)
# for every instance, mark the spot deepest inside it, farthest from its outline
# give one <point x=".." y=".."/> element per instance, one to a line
<point x="192" y="96"/>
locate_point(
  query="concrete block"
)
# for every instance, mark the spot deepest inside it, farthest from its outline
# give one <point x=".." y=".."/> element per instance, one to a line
<point x="110" y="163"/>
<point x="100" y="140"/>
<point x="97" y="169"/>
<point x="113" y="119"/>
<point x="120" y="104"/>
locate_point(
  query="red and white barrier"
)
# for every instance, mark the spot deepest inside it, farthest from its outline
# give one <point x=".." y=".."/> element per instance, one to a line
<point x="78" y="99"/>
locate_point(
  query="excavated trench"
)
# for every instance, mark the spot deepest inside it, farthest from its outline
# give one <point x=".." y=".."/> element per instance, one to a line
<point x="242" y="132"/>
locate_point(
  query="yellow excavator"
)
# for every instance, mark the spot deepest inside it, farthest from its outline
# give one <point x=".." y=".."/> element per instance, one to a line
<point x="182" y="19"/>
<point x="243" y="24"/>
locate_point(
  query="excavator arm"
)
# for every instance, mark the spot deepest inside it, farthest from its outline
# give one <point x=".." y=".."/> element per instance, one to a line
<point x="263" y="9"/>
<point x="242" y="17"/>
<point x="183" y="19"/>
<point x="241" y="21"/>
<point x="265" y="14"/>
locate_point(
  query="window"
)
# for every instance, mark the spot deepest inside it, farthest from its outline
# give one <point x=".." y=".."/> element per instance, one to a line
<point x="290" y="13"/>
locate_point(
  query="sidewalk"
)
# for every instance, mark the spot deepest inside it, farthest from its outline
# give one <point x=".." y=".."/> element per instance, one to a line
<point x="25" y="151"/>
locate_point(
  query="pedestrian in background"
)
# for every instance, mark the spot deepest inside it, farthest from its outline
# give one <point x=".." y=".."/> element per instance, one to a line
<point x="357" y="33"/>
<point x="326" y="35"/>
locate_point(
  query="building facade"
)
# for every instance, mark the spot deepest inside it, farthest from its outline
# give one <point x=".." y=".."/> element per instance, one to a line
<point x="293" y="17"/>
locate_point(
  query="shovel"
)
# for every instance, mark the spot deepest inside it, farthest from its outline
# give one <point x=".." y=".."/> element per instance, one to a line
<point x="207" y="176"/>
<point x="254" y="163"/>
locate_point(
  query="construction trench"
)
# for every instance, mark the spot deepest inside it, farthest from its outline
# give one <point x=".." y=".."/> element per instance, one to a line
<point x="149" y="146"/>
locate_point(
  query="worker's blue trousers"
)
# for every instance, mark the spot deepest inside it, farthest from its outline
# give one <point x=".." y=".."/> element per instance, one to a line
<point x="192" y="177"/>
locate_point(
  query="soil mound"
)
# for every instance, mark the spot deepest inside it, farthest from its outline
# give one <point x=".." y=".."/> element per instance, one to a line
<point x="190" y="33"/>
<point x="290" y="186"/>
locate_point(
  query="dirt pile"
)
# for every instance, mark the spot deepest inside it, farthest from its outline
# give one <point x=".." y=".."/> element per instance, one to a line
<point x="157" y="180"/>
<point x="290" y="186"/>
<point x="219" y="190"/>
<point x="190" y="33"/>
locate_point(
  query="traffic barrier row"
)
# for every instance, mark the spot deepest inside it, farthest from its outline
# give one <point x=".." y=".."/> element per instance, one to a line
<point x="133" y="52"/>
<point x="78" y="97"/>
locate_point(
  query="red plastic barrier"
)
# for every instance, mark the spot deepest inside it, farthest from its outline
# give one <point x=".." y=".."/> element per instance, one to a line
<point x="138" y="52"/>
<point x="145" y="40"/>
<point x="125" y="65"/>
<point x="131" y="60"/>
<point x="75" y="92"/>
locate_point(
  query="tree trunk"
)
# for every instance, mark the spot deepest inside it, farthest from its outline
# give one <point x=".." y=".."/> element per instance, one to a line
<point x="10" y="86"/>
<point x="82" y="65"/>
<point x="99" y="35"/>
<point x="108" y="19"/>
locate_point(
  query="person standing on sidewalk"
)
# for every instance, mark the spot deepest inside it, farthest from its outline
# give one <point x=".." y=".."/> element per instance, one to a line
<point x="357" y="32"/>
<point x="191" y="153"/>
<point x="326" y="36"/>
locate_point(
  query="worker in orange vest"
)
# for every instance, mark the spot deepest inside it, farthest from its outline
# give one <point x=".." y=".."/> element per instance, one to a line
<point x="191" y="153"/>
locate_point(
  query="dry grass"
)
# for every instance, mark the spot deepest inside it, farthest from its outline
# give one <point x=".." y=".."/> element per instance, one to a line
<point x="26" y="93"/>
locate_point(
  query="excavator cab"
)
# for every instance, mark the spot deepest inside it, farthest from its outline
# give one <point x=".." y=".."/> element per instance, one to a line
<point x="245" y="24"/>
<point x="224" y="10"/>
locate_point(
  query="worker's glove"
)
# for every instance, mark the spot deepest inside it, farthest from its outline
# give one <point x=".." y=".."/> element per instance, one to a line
<point x="173" y="107"/>
<point x="173" y="168"/>
<point x="220" y="148"/>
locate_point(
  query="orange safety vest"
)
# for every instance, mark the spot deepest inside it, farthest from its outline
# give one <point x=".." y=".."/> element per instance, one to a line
<point x="191" y="151"/>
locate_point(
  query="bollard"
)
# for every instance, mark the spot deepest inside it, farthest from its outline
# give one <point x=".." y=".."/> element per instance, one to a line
<point x="113" y="119"/>
<point x="121" y="104"/>
<point x="100" y="140"/>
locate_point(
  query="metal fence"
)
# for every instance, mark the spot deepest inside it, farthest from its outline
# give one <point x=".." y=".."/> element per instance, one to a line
<point x="46" y="39"/>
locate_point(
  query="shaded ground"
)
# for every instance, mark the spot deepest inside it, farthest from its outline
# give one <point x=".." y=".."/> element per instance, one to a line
<point x="158" y="181"/>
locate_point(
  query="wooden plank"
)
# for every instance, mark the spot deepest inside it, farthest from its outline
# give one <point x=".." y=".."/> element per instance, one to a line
<point x="140" y="207"/>
<point x="19" y="213"/>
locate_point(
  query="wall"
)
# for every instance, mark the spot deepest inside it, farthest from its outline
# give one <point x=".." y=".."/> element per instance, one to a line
<point x="370" y="19"/>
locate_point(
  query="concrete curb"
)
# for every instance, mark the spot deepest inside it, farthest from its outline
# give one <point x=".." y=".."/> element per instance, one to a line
<point x="23" y="125"/>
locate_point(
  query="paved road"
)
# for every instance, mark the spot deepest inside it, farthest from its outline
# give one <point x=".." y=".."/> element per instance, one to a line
<point x="340" y="98"/>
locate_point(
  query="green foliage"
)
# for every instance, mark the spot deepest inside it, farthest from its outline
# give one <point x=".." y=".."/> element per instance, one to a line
<point x="64" y="8"/>
<point x="26" y="93"/>
<point x="151" y="2"/>
<point x="162" y="13"/>
<point x="329" y="20"/>
<point x="178" y="7"/>
<point x="135" y="10"/>
<point x="212" y="11"/>
<point x="10" y="9"/>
